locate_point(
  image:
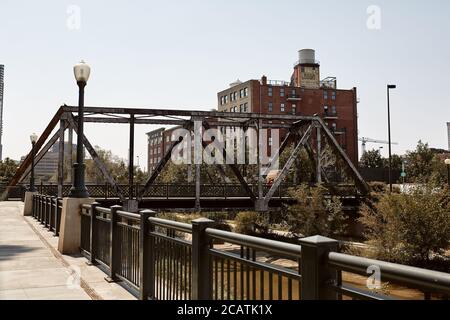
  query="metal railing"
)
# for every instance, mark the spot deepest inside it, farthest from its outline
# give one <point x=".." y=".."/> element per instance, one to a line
<point x="47" y="210"/>
<point x="12" y="192"/>
<point x="165" y="191"/>
<point x="162" y="259"/>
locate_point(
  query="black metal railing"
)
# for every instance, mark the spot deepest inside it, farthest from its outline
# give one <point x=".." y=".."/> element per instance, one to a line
<point x="165" y="191"/>
<point x="47" y="210"/>
<point x="162" y="259"/>
<point x="12" y="192"/>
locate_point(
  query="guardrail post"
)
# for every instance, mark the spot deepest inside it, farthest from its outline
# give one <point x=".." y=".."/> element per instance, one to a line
<point x="201" y="260"/>
<point x="146" y="256"/>
<point x="57" y="216"/>
<point x="50" y="214"/>
<point x="93" y="232"/>
<point x="113" y="254"/>
<point x="33" y="207"/>
<point x="44" y="222"/>
<point x="316" y="276"/>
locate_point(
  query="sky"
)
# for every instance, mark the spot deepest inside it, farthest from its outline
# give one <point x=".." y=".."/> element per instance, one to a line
<point x="179" y="54"/>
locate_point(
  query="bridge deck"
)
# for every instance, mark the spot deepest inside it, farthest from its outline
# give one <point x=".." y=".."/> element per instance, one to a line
<point x="31" y="268"/>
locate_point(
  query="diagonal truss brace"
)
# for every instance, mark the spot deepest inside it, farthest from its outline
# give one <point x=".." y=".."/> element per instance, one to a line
<point x="351" y="169"/>
<point x="233" y="168"/>
<point x="161" y="164"/>
<point x="287" y="166"/>
<point x="96" y="158"/>
<point x="42" y="153"/>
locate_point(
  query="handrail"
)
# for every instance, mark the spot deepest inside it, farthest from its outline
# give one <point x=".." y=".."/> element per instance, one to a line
<point x="420" y="278"/>
<point x="282" y="248"/>
<point x="179" y="226"/>
<point x="129" y="215"/>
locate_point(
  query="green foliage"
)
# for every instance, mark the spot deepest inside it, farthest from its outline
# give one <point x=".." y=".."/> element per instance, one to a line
<point x="420" y="163"/>
<point x="409" y="227"/>
<point x="303" y="166"/>
<point x="249" y="222"/>
<point x="115" y="166"/>
<point x="315" y="214"/>
<point x="8" y="168"/>
<point x="371" y="159"/>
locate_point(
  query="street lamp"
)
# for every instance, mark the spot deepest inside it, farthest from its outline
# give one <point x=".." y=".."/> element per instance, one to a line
<point x="447" y="162"/>
<point x="78" y="190"/>
<point x="389" y="87"/>
<point x="33" y="139"/>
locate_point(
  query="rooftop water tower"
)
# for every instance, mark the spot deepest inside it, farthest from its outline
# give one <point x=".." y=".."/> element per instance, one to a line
<point x="307" y="70"/>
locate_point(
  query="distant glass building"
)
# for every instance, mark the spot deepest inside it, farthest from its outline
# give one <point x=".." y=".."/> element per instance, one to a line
<point x="2" y="75"/>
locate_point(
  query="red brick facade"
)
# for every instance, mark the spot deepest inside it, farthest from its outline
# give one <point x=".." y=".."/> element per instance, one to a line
<point x="337" y="107"/>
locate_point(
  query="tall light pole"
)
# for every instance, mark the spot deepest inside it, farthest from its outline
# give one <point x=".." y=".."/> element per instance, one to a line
<point x="33" y="139"/>
<point x="389" y="87"/>
<point x="447" y="162"/>
<point x="78" y="190"/>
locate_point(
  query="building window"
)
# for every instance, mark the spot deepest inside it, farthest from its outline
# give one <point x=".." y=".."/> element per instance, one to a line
<point x="235" y="95"/>
<point x="245" y="92"/>
<point x="325" y="95"/>
<point x="333" y="127"/>
<point x="294" y="109"/>
<point x="225" y="99"/>
<point x="282" y="107"/>
<point x="221" y="101"/>
<point x="293" y="92"/>
<point x="333" y="109"/>
<point x="231" y="96"/>
<point x="241" y="93"/>
<point x="333" y="95"/>
<point x="270" y="108"/>
<point x="246" y="107"/>
<point x="270" y="91"/>
<point x="281" y="92"/>
<point x="241" y="106"/>
<point x="270" y="141"/>
<point x="325" y="109"/>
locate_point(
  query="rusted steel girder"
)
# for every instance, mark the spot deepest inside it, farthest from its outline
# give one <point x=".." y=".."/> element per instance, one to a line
<point x="96" y="159"/>
<point x="42" y="138"/>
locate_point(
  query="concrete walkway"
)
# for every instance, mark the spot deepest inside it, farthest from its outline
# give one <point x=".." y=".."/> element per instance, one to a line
<point x="32" y="268"/>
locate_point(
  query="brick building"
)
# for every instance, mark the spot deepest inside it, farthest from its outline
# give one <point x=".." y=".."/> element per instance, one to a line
<point x="305" y="94"/>
<point x="158" y="142"/>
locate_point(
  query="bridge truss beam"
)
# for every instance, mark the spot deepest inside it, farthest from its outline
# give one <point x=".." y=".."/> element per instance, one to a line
<point x="185" y="119"/>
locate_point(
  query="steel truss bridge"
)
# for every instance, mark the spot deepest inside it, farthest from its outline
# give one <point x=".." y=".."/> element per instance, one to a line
<point x="310" y="133"/>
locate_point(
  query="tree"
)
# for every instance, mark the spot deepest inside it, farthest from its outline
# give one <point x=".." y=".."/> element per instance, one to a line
<point x="303" y="167"/>
<point x="8" y="168"/>
<point x="371" y="159"/>
<point x="420" y="162"/>
<point x="315" y="214"/>
<point x="396" y="162"/>
<point x="409" y="227"/>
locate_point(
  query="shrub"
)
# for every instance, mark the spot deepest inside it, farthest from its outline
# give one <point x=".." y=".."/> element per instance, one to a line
<point x="314" y="213"/>
<point x="249" y="222"/>
<point x="410" y="227"/>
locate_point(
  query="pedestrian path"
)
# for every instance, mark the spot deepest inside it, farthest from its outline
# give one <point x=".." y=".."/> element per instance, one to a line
<point x="32" y="268"/>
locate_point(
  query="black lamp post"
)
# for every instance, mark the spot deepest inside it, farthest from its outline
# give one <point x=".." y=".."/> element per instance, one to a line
<point x="447" y="162"/>
<point x="78" y="190"/>
<point x="33" y="139"/>
<point x="389" y="87"/>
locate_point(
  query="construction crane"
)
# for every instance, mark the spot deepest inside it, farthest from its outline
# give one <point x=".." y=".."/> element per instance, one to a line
<point x="364" y="141"/>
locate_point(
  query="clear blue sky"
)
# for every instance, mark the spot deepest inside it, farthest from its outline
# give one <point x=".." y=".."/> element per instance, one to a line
<point x="178" y="54"/>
